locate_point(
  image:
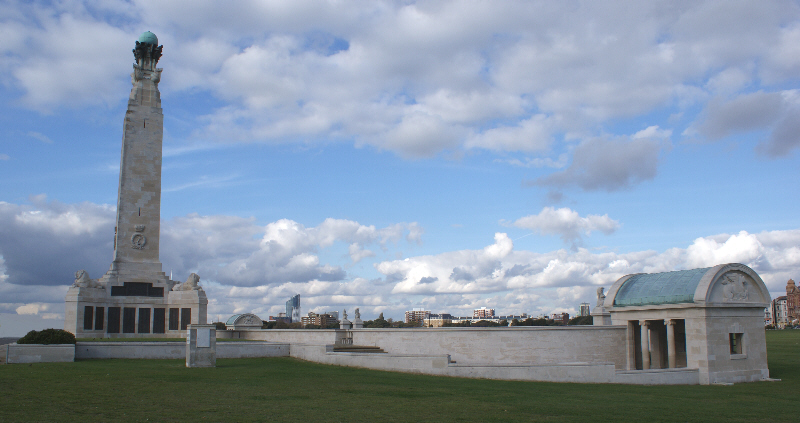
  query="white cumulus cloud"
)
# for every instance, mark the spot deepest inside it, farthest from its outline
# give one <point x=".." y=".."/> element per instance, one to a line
<point x="567" y="224"/>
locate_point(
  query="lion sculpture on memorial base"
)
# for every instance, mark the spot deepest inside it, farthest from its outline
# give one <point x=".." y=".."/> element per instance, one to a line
<point x="82" y="280"/>
<point x="191" y="284"/>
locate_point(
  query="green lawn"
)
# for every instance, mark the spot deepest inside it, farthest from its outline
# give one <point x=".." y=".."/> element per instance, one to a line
<point x="285" y="389"/>
<point x="153" y="340"/>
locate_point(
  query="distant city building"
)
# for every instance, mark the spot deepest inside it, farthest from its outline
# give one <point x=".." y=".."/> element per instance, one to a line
<point x="293" y="309"/>
<point x="483" y="313"/>
<point x="437" y="320"/>
<point x="281" y="317"/>
<point x="334" y="314"/>
<point x="560" y="318"/>
<point x="780" y="312"/>
<point x="318" y="319"/>
<point x="585" y="309"/>
<point x="417" y="315"/>
<point x="511" y="317"/>
<point x="792" y="302"/>
<point x="768" y="319"/>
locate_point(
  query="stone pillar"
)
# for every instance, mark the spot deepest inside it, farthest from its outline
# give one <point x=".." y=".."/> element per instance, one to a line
<point x="631" y="341"/>
<point x="201" y="346"/>
<point x="645" y="344"/>
<point x="670" y="342"/>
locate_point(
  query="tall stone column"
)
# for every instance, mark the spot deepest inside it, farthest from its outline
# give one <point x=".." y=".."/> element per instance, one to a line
<point x="645" y="326"/>
<point x="135" y="297"/>
<point x="136" y="243"/>
<point x="670" y="342"/>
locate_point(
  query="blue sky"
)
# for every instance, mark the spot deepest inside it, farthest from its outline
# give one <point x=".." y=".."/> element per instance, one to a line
<point x="390" y="155"/>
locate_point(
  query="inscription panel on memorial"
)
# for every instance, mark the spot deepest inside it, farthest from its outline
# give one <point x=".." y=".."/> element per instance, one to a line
<point x="99" y="316"/>
<point x="159" y="320"/>
<point x="113" y="319"/>
<point x="174" y="319"/>
<point x="129" y="320"/>
<point x="203" y="338"/>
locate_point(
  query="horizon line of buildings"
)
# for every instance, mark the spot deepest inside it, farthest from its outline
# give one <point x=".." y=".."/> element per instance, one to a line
<point x="783" y="311"/>
<point x="426" y="318"/>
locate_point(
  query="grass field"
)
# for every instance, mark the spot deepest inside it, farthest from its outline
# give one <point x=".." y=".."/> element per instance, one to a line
<point x="153" y="340"/>
<point x="285" y="389"/>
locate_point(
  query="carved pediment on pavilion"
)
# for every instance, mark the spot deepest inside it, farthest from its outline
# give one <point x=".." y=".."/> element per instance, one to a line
<point x="737" y="286"/>
<point x="246" y="320"/>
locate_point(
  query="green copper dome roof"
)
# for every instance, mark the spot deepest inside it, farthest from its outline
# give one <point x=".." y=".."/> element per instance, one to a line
<point x="232" y="320"/>
<point x="659" y="288"/>
<point x="149" y="38"/>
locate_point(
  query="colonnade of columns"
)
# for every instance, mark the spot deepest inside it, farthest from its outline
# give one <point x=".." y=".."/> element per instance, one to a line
<point x="646" y="343"/>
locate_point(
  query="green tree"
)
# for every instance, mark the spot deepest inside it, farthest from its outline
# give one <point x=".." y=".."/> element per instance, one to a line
<point x="581" y="320"/>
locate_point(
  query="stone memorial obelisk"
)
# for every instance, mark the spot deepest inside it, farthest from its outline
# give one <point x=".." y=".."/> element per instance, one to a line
<point x="135" y="297"/>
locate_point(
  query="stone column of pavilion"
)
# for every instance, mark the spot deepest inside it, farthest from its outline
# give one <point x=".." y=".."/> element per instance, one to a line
<point x="645" y="337"/>
<point x="671" y="352"/>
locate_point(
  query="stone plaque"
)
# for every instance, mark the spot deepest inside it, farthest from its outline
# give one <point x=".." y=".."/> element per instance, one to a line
<point x="203" y="338"/>
<point x="174" y="319"/>
<point x="144" y="320"/>
<point x="128" y="320"/>
<point x="186" y="318"/>
<point x="159" y="319"/>
<point x="99" y="316"/>
<point x="88" y="314"/>
<point x="113" y="319"/>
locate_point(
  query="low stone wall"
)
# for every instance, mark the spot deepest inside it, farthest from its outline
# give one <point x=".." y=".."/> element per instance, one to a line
<point x="146" y="350"/>
<point x="292" y="336"/>
<point x="176" y="350"/>
<point x="37" y="353"/>
<point x="659" y="377"/>
<point x="515" y="345"/>
<point x="528" y="345"/>
<point x="435" y="365"/>
<point x="441" y="365"/>
<point x="251" y="349"/>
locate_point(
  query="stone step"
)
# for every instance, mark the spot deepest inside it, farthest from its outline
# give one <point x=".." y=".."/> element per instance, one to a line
<point x="358" y="349"/>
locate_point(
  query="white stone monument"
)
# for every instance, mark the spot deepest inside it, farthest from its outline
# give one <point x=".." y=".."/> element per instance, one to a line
<point x="344" y="323"/>
<point x="135" y="297"/>
<point x="357" y="322"/>
<point x="201" y="346"/>
<point x="601" y="316"/>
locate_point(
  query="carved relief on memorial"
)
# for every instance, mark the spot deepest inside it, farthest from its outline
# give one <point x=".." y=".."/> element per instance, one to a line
<point x="735" y="287"/>
<point x="138" y="241"/>
<point x="250" y="319"/>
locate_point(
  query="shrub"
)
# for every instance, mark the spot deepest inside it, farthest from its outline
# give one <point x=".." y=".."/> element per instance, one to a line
<point x="48" y="336"/>
<point x="581" y="320"/>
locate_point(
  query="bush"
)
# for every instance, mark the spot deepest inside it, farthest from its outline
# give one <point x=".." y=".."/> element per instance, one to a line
<point x="48" y="336"/>
<point x="581" y="320"/>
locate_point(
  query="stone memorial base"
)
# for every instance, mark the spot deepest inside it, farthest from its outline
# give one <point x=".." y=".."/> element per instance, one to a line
<point x="133" y="307"/>
<point x="201" y="346"/>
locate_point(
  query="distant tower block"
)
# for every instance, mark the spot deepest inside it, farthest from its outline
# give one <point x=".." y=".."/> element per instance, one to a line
<point x="135" y="297"/>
